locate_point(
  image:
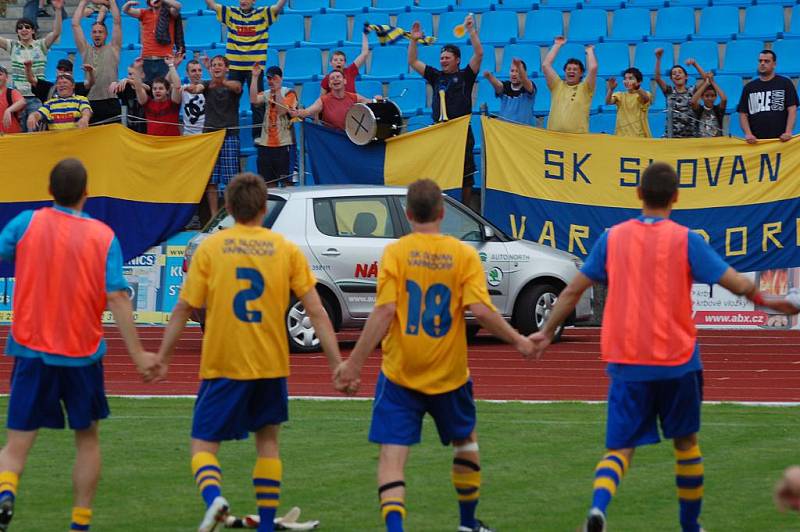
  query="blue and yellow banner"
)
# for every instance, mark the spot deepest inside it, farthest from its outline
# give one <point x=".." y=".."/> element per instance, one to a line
<point x="436" y="152"/>
<point x="145" y="187"/>
<point x="564" y="190"/>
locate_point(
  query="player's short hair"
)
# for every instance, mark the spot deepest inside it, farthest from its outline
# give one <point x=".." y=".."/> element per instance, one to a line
<point x="635" y="72"/>
<point x="453" y="49"/>
<point x="162" y="81"/>
<point x="192" y="62"/>
<point x="424" y="201"/>
<point x="245" y="196"/>
<point x="659" y="184"/>
<point x="769" y="52"/>
<point x="339" y="52"/>
<point x="221" y="58"/>
<point x="68" y="182"/>
<point x="575" y="61"/>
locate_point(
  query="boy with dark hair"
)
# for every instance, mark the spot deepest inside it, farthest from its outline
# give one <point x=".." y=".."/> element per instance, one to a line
<point x="632" y="105"/>
<point x="680" y="118"/>
<point x="244" y="276"/>
<point x="58" y="355"/>
<point x="426" y="281"/>
<point x="708" y="115"/>
<point x="338" y="61"/>
<point x="649" y="339"/>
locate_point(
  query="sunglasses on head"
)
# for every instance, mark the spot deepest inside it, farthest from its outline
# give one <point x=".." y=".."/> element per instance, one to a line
<point x="24" y="27"/>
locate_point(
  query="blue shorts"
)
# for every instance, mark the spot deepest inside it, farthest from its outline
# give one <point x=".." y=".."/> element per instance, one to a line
<point x="635" y="406"/>
<point x="40" y="394"/>
<point x="397" y="413"/>
<point x="228" y="409"/>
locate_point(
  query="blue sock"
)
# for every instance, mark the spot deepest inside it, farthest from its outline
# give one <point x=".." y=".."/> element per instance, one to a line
<point x="207" y="476"/>
<point x="394" y="522"/>
<point x="607" y="476"/>
<point x="689" y="473"/>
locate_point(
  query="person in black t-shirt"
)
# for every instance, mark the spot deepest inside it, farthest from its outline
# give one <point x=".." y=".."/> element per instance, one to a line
<point x="452" y="86"/>
<point x="768" y="107"/>
<point x="709" y="116"/>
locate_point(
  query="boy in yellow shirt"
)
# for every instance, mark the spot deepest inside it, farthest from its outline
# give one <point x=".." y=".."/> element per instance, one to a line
<point x="632" y="105"/>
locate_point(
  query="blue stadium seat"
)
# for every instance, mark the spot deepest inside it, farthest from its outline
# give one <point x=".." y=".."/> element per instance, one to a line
<point x="520" y="6"/>
<point x="541" y="27"/>
<point x="428" y="55"/>
<point x="309" y="93"/>
<point x="541" y="106"/>
<point x="788" y="52"/>
<point x="409" y="95"/>
<point x="732" y="87"/>
<point x="689" y="3"/>
<point x="349" y="7"/>
<point x="202" y="32"/>
<point x="763" y="22"/>
<point x="794" y="25"/>
<point x="287" y="32"/>
<point x="498" y="28"/>
<point x="53" y="57"/>
<point x="369" y="88"/>
<point x="658" y="123"/>
<point x="486" y="95"/>
<point x="388" y="62"/>
<point x="67" y="41"/>
<point x="605" y="122"/>
<point x="527" y="52"/>
<point x="245" y="134"/>
<point x="476" y="6"/>
<point x="612" y="58"/>
<point x="448" y="21"/>
<point x="477" y="132"/>
<point x="434" y="6"/>
<point x="358" y="27"/>
<point x="630" y="25"/>
<point x="560" y="5"/>
<point x="644" y="56"/>
<point x="587" y="26"/>
<point x="406" y="20"/>
<point x="741" y="57"/>
<point x="488" y="62"/>
<point x="392" y="6"/>
<point x="718" y="23"/>
<point x="302" y="64"/>
<point x="608" y="5"/>
<point x="674" y="24"/>
<point x="569" y="50"/>
<point x="193" y="7"/>
<point x="704" y="53"/>
<point x="307" y="7"/>
<point x="126" y="59"/>
<point x="785" y="3"/>
<point x="130" y="31"/>
<point x="418" y="122"/>
<point x="599" y="96"/>
<point x="273" y="59"/>
<point x="327" y="31"/>
<point x="650" y="4"/>
<point x="734" y="128"/>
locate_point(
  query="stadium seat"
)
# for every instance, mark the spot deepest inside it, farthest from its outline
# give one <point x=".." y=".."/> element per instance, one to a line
<point x="658" y="123"/>
<point x="569" y="50"/>
<point x="327" y="31"/>
<point x="734" y="128"/>
<point x="605" y="122"/>
<point x="560" y="5"/>
<point x="434" y="6"/>
<point x="718" y="23"/>
<point x="475" y="6"/>
<point x="409" y="95"/>
<point x="674" y="24"/>
<point x="587" y="26"/>
<point x="407" y="20"/>
<point x="608" y="5"/>
<point x="448" y="21"/>
<point x="273" y="59"/>
<point x="705" y="53"/>
<point x="193" y="7"/>
<point x="53" y="57"/>
<point x="486" y="95"/>
<point x="309" y="93"/>
<point x="498" y="28"/>
<point x="649" y="4"/>
<point x="302" y="64"/>
<point x="65" y="43"/>
<point x="245" y="134"/>
<point x="520" y="6"/>
<point x="541" y="106"/>
<point x="428" y="55"/>
<point x="612" y="58"/>
<point x="358" y="28"/>
<point x="732" y="87"/>
<point x="741" y="57"/>
<point x="599" y="96"/>
<point x="541" y="27"/>
<point x="794" y="25"/>
<point x="527" y="52"/>
<point x="388" y="62"/>
<point x="392" y="6"/>
<point x="644" y="57"/>
<point x="307" y="7"/>
<point x="689" y="3"/>
<point x="126" y="59"/>
<point x="785" y="3"/>
<point x="477" y="132"/>
<point x="369" y="88"/>
<point x="788" y="52"/>
<point x="629" y="25"/>
<point x="349" y="7"/>
<point x="418" y="122"/>
<point x="763" y="22"/>
<point x="488" y="62"/>
<point x="287" y="32"/>
<point x="130" y="31"/>
<point x="202" y="32"/>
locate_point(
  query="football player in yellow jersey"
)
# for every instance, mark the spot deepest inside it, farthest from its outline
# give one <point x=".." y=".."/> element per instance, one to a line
<point x="243" y="277"/>
<point x="425" y="283"/>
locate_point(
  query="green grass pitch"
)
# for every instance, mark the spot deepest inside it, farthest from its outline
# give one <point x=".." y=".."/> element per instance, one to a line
<point x="538" y="461"/>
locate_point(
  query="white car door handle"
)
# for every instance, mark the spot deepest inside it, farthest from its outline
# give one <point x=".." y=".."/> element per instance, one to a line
<point x="331" y="252"/>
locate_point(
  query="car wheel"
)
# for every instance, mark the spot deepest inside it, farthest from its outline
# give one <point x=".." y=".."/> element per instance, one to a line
<point x="534" y="307"/>
<point x="299" y="330"/>
<point x="472" y="332"/>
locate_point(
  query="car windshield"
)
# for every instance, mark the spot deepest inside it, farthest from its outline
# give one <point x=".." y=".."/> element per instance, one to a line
<point x="223" y="220"/>
<point x="462" y="225"/>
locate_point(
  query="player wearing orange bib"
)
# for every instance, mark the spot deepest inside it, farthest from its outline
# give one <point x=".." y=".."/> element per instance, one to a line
<point x="425" y="283"/>
<point x="244" y="276"/>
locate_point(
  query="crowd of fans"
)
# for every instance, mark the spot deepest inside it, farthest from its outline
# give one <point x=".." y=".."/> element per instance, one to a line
<point x="160" y="101"/>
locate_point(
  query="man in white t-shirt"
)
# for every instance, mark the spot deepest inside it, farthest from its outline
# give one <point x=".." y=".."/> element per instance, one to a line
<point x="193" y="106"/>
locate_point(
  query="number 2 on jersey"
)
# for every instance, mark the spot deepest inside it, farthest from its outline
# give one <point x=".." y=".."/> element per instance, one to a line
<point x="435" y="317"/>
<point x="248" y="294"/>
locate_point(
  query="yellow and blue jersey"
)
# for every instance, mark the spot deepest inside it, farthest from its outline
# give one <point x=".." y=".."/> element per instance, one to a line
<point x="431" y="279"/>
<point x="248" y="33"/>
<point x="243" y="276"/>
<point x="64" y="113"/>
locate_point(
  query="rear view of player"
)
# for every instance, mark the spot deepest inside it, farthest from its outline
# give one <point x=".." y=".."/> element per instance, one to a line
<point x="244" y="276"/>
<point x="425" y="283"/>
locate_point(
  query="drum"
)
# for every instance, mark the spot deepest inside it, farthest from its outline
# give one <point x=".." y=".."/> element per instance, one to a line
<point x="377" y="120"/>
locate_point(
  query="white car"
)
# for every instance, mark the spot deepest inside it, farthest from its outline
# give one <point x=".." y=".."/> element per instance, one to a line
<point x="342" y="230"/>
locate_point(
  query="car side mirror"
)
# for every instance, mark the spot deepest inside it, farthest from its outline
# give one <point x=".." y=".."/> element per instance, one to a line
<point x="488" y="232"/>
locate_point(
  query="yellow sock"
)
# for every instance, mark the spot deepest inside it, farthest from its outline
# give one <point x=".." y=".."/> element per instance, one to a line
<point x="81" y="518"/>
<point x="8" y="484"/>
